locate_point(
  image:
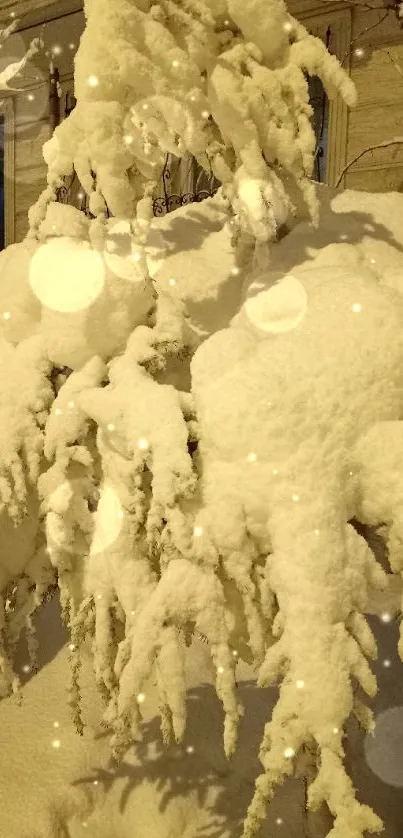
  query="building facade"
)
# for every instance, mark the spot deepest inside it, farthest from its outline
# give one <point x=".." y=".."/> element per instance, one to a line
<point x="369" y="42"/>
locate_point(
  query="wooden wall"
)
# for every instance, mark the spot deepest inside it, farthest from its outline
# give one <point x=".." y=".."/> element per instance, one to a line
<point x="31" y="105"/>
<point x="378" y="76"/>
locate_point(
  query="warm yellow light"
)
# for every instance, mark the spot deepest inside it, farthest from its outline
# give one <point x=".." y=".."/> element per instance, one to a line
<point x="66" y="275"/>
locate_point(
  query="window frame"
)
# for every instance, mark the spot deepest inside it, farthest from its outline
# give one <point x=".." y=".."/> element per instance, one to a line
<point x="340" y="23"/>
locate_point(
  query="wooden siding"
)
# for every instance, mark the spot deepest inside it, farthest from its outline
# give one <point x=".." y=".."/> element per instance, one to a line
<point x="379" y="82"/>
<point x="31" y="107"/>
<point x="378" y="76"/>
<point x="30" y="167"/>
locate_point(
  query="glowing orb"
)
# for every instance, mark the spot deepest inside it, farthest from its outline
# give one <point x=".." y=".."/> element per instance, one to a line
<point x="383" y="750"/>
<point x="156" y="251"/>
<point x="279" y="308"/>
<point x="66" y="275"/>
<point x="120" y="254"/>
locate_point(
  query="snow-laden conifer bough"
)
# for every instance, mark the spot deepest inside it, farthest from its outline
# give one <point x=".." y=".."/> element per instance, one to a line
<point x="217" y="505"/>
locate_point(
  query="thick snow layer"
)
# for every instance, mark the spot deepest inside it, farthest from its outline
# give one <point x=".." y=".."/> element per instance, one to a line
<point x="159" y="793"/>
<point x="357" y="249"/>
<point x="356" y="229"/>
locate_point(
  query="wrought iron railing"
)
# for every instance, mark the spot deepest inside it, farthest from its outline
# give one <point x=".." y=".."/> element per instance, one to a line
<point x="168" y="202"/>
<point x="72" y="193"/>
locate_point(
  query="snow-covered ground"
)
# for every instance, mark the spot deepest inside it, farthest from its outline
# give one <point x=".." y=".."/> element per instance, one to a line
<point x="188" y="791"/>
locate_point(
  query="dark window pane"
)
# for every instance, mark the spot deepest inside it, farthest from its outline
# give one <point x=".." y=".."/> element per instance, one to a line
<point x="319" y="120"/>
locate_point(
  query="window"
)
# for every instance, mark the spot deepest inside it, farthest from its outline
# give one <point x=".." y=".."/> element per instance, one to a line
<point x="330" y="118"/>
<point x="320" y="121"/>
<point x="320" y="125"/>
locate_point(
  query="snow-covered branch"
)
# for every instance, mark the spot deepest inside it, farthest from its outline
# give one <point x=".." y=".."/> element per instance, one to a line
<point x="195" y="88"/>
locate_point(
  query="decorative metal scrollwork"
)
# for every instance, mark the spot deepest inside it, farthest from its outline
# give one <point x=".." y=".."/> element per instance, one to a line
<point x="190" y="173"/>
<point x="163" y="205"/>
<point x="193" y="174"/>
<point x="72" y="193"/>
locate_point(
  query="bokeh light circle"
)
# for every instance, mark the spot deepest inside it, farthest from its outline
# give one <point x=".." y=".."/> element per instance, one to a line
<point x="384" y="750"/>
<point x="121" y="257"/>
<point x="156" y="251"/>
<point x="66" y="275"/>
<point x="279" y="308"/>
